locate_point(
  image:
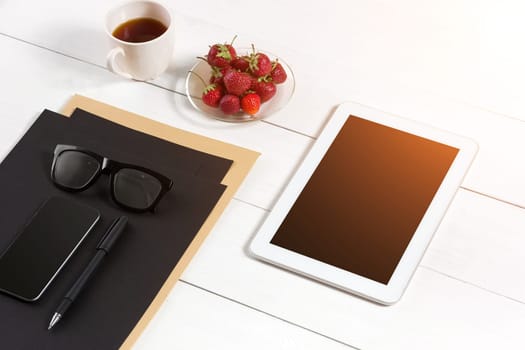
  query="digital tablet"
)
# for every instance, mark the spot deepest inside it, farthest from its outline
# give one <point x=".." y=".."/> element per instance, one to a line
<point x="364" y="204"/>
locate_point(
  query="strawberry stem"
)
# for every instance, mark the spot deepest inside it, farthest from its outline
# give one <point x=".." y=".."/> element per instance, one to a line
<point x="235" y="37"/>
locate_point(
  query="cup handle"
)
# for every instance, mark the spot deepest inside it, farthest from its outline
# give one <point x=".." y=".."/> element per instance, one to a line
<point x="111" y="62"/>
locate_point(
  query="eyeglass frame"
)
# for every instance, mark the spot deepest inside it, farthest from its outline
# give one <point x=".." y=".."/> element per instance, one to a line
<point x="110" y="167"/>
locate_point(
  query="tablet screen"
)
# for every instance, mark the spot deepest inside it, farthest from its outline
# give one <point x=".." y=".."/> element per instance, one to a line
<point x="366" y="198"/>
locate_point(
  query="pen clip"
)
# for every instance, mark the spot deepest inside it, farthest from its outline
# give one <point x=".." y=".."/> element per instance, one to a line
<point x="112" y="233"/>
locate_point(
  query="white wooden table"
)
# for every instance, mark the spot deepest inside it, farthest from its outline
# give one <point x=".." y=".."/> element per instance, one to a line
<point x="454" y="64"/>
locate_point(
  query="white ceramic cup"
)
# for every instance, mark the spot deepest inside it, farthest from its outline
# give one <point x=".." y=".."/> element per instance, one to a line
<point x="145" y="60"/>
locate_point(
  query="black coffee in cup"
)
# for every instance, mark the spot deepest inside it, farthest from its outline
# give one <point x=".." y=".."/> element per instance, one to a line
<point x="139" y="30"/>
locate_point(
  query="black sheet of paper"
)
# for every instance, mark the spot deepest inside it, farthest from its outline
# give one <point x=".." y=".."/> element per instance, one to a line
<point x="137" y="147"/>
<point x="134" y="271"/>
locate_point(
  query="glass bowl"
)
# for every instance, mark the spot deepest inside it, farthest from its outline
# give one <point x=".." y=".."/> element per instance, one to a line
<point x="194" y="88"/>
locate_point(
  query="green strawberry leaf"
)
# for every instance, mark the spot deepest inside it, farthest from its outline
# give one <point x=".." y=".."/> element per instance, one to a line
<point x="265" y="78"/>
<point x="216" y="72"/>
<point x="254" y="63"/>
<point x="224" y="52"/>
<point x="209" y="88"/>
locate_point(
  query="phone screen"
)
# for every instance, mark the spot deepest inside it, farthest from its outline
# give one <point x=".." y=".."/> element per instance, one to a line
<point x="43" y="247"/>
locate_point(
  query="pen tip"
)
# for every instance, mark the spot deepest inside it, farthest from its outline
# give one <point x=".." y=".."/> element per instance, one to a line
<point x="56" y="317"/>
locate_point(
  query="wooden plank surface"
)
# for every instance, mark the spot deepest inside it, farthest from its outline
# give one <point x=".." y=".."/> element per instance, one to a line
<point x="192" y="318"/>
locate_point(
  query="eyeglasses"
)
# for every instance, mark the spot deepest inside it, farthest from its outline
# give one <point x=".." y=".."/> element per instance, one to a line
<point x="132" y="187"/>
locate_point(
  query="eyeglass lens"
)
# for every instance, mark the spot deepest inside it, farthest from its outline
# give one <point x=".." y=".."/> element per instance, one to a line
<point x="75" y="169"/>
<point x="135" y="188"/>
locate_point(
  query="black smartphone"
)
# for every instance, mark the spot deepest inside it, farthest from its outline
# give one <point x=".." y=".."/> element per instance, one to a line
<point x="43" y="246"/>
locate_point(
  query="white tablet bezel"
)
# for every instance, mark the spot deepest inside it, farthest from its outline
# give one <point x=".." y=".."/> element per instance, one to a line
<point x="261" y="247"/>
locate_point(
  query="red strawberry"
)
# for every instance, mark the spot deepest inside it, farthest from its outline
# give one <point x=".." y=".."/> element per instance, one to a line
<point x="212" y="93"/>
<point x="260" y="64"/>
<point x="230" y="104"/>
<point x="236" y="83"/>
<point x="278" y="74"/>
<point x="241" y="63"/>
<point x="251" y="103"/>
<point x="266" y="90"/>
<point x="254" y="81"/>
<point x="220" y="55"/>
<point x="216" y="80"/>
<point x="217" y="74"/>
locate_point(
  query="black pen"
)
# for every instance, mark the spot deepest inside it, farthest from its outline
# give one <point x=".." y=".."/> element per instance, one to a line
<point x="107" y="241"/>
